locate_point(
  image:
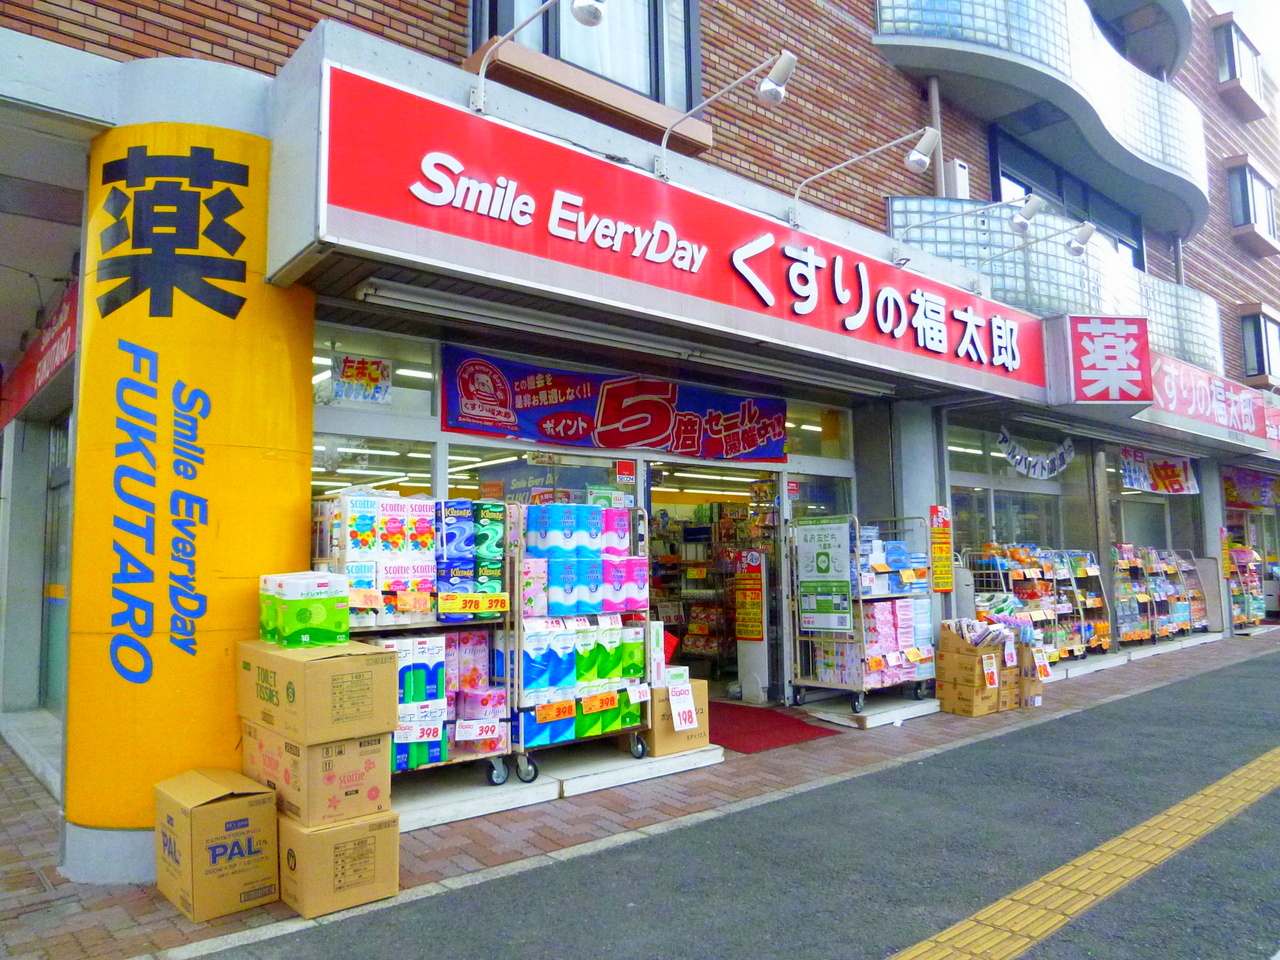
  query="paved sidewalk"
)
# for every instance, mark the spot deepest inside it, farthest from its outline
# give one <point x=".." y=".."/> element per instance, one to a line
<point x="44" y="917"/>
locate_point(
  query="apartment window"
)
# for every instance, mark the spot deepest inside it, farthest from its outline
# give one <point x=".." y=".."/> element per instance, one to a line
<point x="1252" y="201"/>
<point x="1261" y="345"/>
<point x="646" y="45"/>
<point x="1240" y="80"/>
<point x="1019" y="170"/>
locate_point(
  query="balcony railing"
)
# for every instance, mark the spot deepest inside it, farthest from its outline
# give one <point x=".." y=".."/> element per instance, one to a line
<point x="1060" y="40"/>
<point x="1045" y="280"/>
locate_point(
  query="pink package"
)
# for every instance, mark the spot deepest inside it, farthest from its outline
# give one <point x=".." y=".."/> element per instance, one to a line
<point x="486" y="703"/>
<point x="637" y="583"/>
<point x="473" y="659"/>
<point x="616" y="536"/>
<point x="451" y="664"/>
<point x="451" y="707"/>
<point x="533" y="587"/>
<point x="617" y="584"/>
<point x="499" y="744"/>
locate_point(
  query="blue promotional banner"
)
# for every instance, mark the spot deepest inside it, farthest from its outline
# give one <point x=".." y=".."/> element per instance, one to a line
<point x="505" y="398"/>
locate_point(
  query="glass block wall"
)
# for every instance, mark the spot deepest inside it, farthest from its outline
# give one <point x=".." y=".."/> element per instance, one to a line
<point x="1045" y="280"/>
<point x="1151" y="119"/>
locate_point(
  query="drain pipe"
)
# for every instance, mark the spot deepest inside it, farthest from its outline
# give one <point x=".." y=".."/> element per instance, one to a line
<point x="1179" y="268"/>
<point x="935" y="121"/>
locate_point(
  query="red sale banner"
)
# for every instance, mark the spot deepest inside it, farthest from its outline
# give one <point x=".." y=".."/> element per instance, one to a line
<point x="410" y="160"/>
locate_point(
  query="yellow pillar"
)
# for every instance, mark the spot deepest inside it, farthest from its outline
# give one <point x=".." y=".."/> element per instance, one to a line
<point x="192" y="458"/>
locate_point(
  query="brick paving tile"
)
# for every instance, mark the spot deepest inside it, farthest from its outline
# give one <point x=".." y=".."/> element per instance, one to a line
<point x="43" y="916"/>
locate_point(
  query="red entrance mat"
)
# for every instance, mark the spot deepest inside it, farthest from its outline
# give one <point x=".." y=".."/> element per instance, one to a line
<point x="752" y="729"/>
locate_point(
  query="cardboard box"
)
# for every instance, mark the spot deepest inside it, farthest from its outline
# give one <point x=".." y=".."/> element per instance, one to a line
<point x="663" y="738"/>
<point x="323" y="782"/>
<point x="339" y="865"/>
<point x="215" y="843"/>
<point x="317" y="694"/>
<point x="1008" y="677"/>
<point x="967" y="701"/>
<point x="962" y="669"/>
<point x="1009" y="697"/>
<point x="952" y="642"/>
<point x="1031" y="692"/>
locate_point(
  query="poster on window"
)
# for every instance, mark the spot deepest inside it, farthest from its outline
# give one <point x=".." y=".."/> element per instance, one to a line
<point x="506" y="398"/>
<point x="362" y="378"/>
<point x="1156" y="473"/>
<point x="1243" y="489"/>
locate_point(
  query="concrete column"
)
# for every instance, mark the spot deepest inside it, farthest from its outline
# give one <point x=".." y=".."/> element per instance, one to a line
<point x="1213" y="510"/>
<point x="23" y="490"/>
<point x="918" y="474"/>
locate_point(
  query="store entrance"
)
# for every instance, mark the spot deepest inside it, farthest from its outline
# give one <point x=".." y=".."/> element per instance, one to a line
<point x="715" y="574"/>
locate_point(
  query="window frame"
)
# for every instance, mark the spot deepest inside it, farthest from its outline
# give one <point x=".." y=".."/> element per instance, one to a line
<point x="1256" y="199"/>
<point x="491" y="18"/>
<point x="1237" y="58"/>
<point x="1260" y="359"/>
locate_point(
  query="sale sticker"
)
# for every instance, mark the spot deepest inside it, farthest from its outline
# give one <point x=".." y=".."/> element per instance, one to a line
<point x="1042" y="664"/>
<point x="908" y="576"/>
<point x="894" y="658"/>
<point x="1010" y="654"/>
<point x="475" y="602"/>
<point x="697" y="573"/>
<point x="578" y="624"/>
<point x="684" y="713"/>
<point x="875" y="663"/>
<point x="638" y="693"/>
<point x="600" y="702"/>
<point x="364" y="599"/>
<point x="476" y="730"/>
<point x="914" y="655"/>
<point x="407" y="600"/>
<point x="549" y="712"/>
<point x="990" y="672"/>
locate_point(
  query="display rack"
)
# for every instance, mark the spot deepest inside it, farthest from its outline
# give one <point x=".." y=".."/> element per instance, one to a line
<point x="1170" y="603"/>
<point x="1199" y="608"/>
<point x="867" y="646"/>
<point x="1082" y="610"/>
<point x="609" y="695"/>
<point x="1244" y="579"/>
<point x="692" y="574"/>
<point x="1021" y="581"/>
<point x="1132" y="603"/>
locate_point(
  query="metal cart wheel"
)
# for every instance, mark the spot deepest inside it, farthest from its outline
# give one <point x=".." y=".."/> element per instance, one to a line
<point x="799" y="696"/>
<point x="639" y="749"/>
<point x="917" y="690"/>
<point x="859" y="701"/>
<point x="526" y="768"/>
<point x="498" y="772"/>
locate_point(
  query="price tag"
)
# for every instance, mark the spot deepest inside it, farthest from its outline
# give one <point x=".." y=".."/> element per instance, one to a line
<point x="600" y="702"/>
<point x="907" y="576"/>
<point x="1042" y="664"/>
<point x="1092" y="571"/>
<point x="914" y="655"/>
<point x="474" y="602"/>
<point x="990" y="672"/>
<point x="894" y="659"/>
<point x="696" y="573"/>
<point x="1010" y="654"/>
<point x="364" y="599"/>
<point x="881" y="568"/>
<point x="476" y="730"/>
<point x="609" y="620"/>
<point x="1017" y="574"/>
<point x="1033" y="573"/>
<point x="875" y="663"/>
<point x="413" y="601"/>
<point x="684" y="714"/>
<point x="579" y="624"/>
<point x="560" y="710"/>
<point x="638" y="693"/>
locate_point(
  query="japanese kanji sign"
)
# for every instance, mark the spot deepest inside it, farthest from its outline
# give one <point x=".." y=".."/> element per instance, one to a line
<point x="193" y="453"/>
<point x="1243" y="488"/>
<point x="941" y="549"/>
<point x="407" y="169"/>
<point x="362" y="378"/>
<point x="1110" y="360"/>
<point x="1036" y="466"/>
<point x="1156" y="473"/>
<point x="1196" y="394"/>
<point x="492" y="395"/>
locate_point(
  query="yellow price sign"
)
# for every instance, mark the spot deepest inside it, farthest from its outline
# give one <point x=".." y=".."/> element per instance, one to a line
<point x="364" y="599"/>
<point x="697" y="573"/>
<point x="474" y="602"/>
<point x="599" y="702"/>
<point x="549" y="712"/>
<point x="412" y="601"/>
<point x="908" y="576"/>
<point x="914" y="655"/>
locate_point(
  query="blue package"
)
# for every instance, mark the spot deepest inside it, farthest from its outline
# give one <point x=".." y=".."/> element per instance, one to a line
<point x="562" y="531"/>
<point x="562" y="665"/>
<point x="536" y="531"/>
<point x="456" y="576"/>
<point x="535" y="734"/>
<point x="896" y="554"/>
<point x="589" y="532"/>
<point x="536" y="661"/>
<point x="455" y="531"/>
<point x="563" y="588"/>
<point x="590" y="592"/>
<point x="400" y="757"/>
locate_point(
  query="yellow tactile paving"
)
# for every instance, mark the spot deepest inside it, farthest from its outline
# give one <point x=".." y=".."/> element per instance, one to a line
<point x="1008" y="928"/>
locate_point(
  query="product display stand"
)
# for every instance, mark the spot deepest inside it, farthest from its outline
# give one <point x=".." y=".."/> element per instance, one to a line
<point x="1082" y="610"/>
<point x="1021" y="581"/>
<point x="884" y="638"/>
<point x="1199" y="610"/>
<point x="550" y="716"/>
<point x="1133" y="606"/>
<point x="1244" y="579"/>
<point x="1171" y="606"/>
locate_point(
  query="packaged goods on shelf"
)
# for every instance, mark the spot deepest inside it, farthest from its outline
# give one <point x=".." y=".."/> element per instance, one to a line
<point x="392" y="530"/>
<point x="304" y="609"/>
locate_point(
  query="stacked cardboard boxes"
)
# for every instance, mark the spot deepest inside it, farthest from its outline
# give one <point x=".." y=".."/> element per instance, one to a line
<point x="317" y="725"/>
<point x="995" y="674"/>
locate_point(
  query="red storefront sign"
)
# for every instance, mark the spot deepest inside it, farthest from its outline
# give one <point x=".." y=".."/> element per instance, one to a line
<point x="1190" y="392"/>
<point x="408" y="159"/>
<point x="1110" y="360"/>
<point x="54" y="347"/>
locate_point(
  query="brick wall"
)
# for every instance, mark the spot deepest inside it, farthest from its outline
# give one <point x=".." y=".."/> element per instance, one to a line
<point x="1214" y="263"/>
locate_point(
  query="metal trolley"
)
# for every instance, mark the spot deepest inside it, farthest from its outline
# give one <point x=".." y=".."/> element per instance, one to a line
<point x="514" y="626"/>
<point x="838" y="659"/>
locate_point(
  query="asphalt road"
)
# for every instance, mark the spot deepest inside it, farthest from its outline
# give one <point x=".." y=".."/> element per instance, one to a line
<point x="864" y="868"/>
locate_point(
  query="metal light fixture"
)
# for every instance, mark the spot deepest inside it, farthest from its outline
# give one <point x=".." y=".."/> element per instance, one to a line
<point x="917" y="160"/>
<point x="1018" y="221"/>
<point x="589" y="13"/>
<point x="1075" y="244"/>
<point x="770" y="91"/>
